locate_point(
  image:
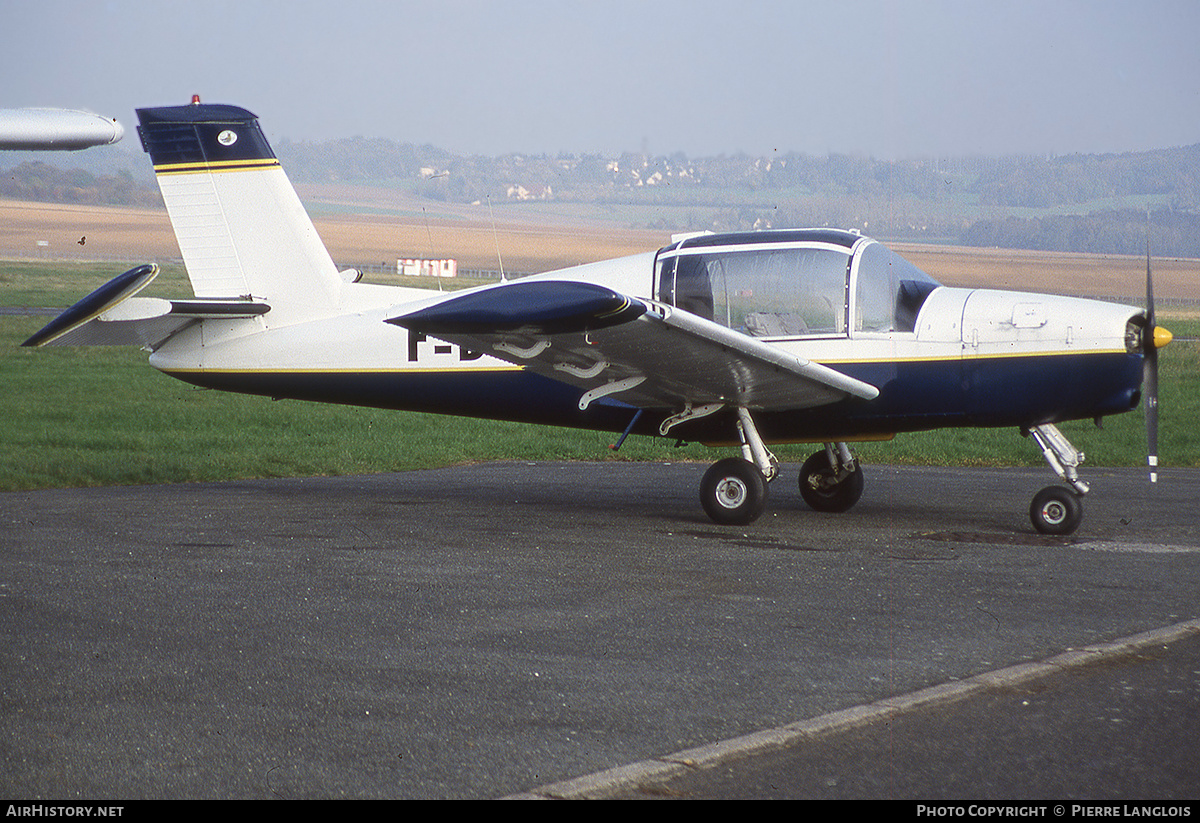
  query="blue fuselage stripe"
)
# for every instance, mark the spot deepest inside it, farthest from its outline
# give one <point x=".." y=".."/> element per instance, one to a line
<point x="914" y="396"/>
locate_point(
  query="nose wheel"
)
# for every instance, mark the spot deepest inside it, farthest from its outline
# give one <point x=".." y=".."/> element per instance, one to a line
<point x="1058" y="510"/>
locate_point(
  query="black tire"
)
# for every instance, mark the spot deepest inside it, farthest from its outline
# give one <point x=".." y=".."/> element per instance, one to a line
<point x="1056" y="510"/>
<point x="733" y="492"/>
<point x="820" y="493"/>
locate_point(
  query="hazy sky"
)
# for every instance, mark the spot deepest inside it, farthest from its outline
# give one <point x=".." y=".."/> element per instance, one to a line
<point x="887" y="78"/>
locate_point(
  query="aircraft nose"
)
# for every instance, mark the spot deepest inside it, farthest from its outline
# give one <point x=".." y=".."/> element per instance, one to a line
<point x="1162" y="337"/>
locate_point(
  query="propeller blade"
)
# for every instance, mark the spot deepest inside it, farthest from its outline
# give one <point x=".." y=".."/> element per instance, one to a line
<point x="1149" y="288"/>
<point x="1150" y="374"/>
<point x="1150" y="387"/>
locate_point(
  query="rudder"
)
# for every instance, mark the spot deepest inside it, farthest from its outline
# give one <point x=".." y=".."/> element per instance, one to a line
<point x="240" y="226"/>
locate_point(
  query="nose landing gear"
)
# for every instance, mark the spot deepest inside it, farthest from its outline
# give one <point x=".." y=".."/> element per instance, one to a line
<point x="1058" y="510"/>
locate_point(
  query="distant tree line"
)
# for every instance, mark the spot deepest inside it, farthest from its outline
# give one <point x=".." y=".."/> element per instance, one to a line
<point x="1010" y="182"/>
<point x="1068" y="203"/>
<point x="48" y="184"/>
<point x="1126" y="231"/>
<point x="1038" y="182"/>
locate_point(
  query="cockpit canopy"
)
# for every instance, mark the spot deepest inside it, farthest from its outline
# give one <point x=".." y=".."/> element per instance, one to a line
<point x="817" y="282"/>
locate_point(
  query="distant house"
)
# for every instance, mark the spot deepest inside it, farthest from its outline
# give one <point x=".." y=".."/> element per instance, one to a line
<point x="418" y="267"/>
<point x="517" y="192"/>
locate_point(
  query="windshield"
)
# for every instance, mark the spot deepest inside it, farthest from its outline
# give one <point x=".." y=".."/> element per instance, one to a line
<point x="889" y="291"/>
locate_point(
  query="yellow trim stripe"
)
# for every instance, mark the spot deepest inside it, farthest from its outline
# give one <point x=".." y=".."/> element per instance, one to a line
<point x="1062" y="353"/>
<point x="968" y="355"/>
<point x="216" y="166"/>
<point x="468" y="369"/>
<point x="422" y="370"/>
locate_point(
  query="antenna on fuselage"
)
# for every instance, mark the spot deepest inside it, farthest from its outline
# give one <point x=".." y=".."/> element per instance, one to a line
<point x="429" y="235"/>
<point x="496" y="238"/>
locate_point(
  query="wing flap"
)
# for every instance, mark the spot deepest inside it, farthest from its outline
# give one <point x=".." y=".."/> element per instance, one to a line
<point x="652" y="356"/>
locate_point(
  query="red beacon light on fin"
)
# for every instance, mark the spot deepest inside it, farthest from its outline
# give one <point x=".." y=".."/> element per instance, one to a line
<point x="195" y="100"/>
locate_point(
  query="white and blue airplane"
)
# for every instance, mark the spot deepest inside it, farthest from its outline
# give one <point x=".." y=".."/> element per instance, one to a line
<point x="745" y="339"/>
<point x="56" y="130"/>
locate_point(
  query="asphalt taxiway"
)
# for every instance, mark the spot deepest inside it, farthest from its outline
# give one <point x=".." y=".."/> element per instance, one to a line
<point x="494" y="630"/>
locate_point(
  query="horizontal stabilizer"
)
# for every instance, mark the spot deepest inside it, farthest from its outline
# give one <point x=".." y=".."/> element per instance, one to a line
<point x="120" y="288"/>
<point x="651" y="355"/>
<point x="112" y="316"/>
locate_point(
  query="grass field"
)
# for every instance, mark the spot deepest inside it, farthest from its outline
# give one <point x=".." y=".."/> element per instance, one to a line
<point x="102" y="416"/>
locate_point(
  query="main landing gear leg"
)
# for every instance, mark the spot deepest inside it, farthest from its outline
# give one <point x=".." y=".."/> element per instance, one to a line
<point x="831" y="480"/>
<point x="1057" y="509"/>
<point x="734" y="490"/>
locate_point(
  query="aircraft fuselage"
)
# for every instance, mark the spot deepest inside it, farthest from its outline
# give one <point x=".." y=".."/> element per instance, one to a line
<point x="975" y="357"/>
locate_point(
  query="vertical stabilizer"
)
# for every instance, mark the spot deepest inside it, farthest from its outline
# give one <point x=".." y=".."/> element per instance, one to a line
<point x="240" y="226"/>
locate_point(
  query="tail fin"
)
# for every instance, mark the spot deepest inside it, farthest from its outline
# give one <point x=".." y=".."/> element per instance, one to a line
<point x="240" y="226"/>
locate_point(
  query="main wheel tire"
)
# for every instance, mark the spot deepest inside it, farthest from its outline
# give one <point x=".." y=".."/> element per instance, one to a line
<point x="1056" y="510"/>
<point x="821" y="493"/>
<point x="733" y="492"/>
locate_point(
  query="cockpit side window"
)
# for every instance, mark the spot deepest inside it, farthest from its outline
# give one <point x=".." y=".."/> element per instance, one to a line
<point x="889" y="291"/>
<point x="761" y="291"/>
<point x="684" y="281"/>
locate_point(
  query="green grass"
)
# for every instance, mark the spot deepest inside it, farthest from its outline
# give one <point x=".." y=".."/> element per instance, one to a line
<point x="63" y="283"/>
<point x="102" y="416"/>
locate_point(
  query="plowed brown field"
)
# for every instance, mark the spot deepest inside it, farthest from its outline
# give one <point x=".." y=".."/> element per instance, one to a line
<point x="139" y="235"/>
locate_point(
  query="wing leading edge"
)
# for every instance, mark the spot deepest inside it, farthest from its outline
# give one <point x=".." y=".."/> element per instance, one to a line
<point x="651" y="355"/>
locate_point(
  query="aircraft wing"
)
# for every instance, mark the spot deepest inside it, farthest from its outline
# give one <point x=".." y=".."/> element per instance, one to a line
<point x="56" y="129"/>
<point x="112" y="316"/>
<point x="646" y="354"/>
